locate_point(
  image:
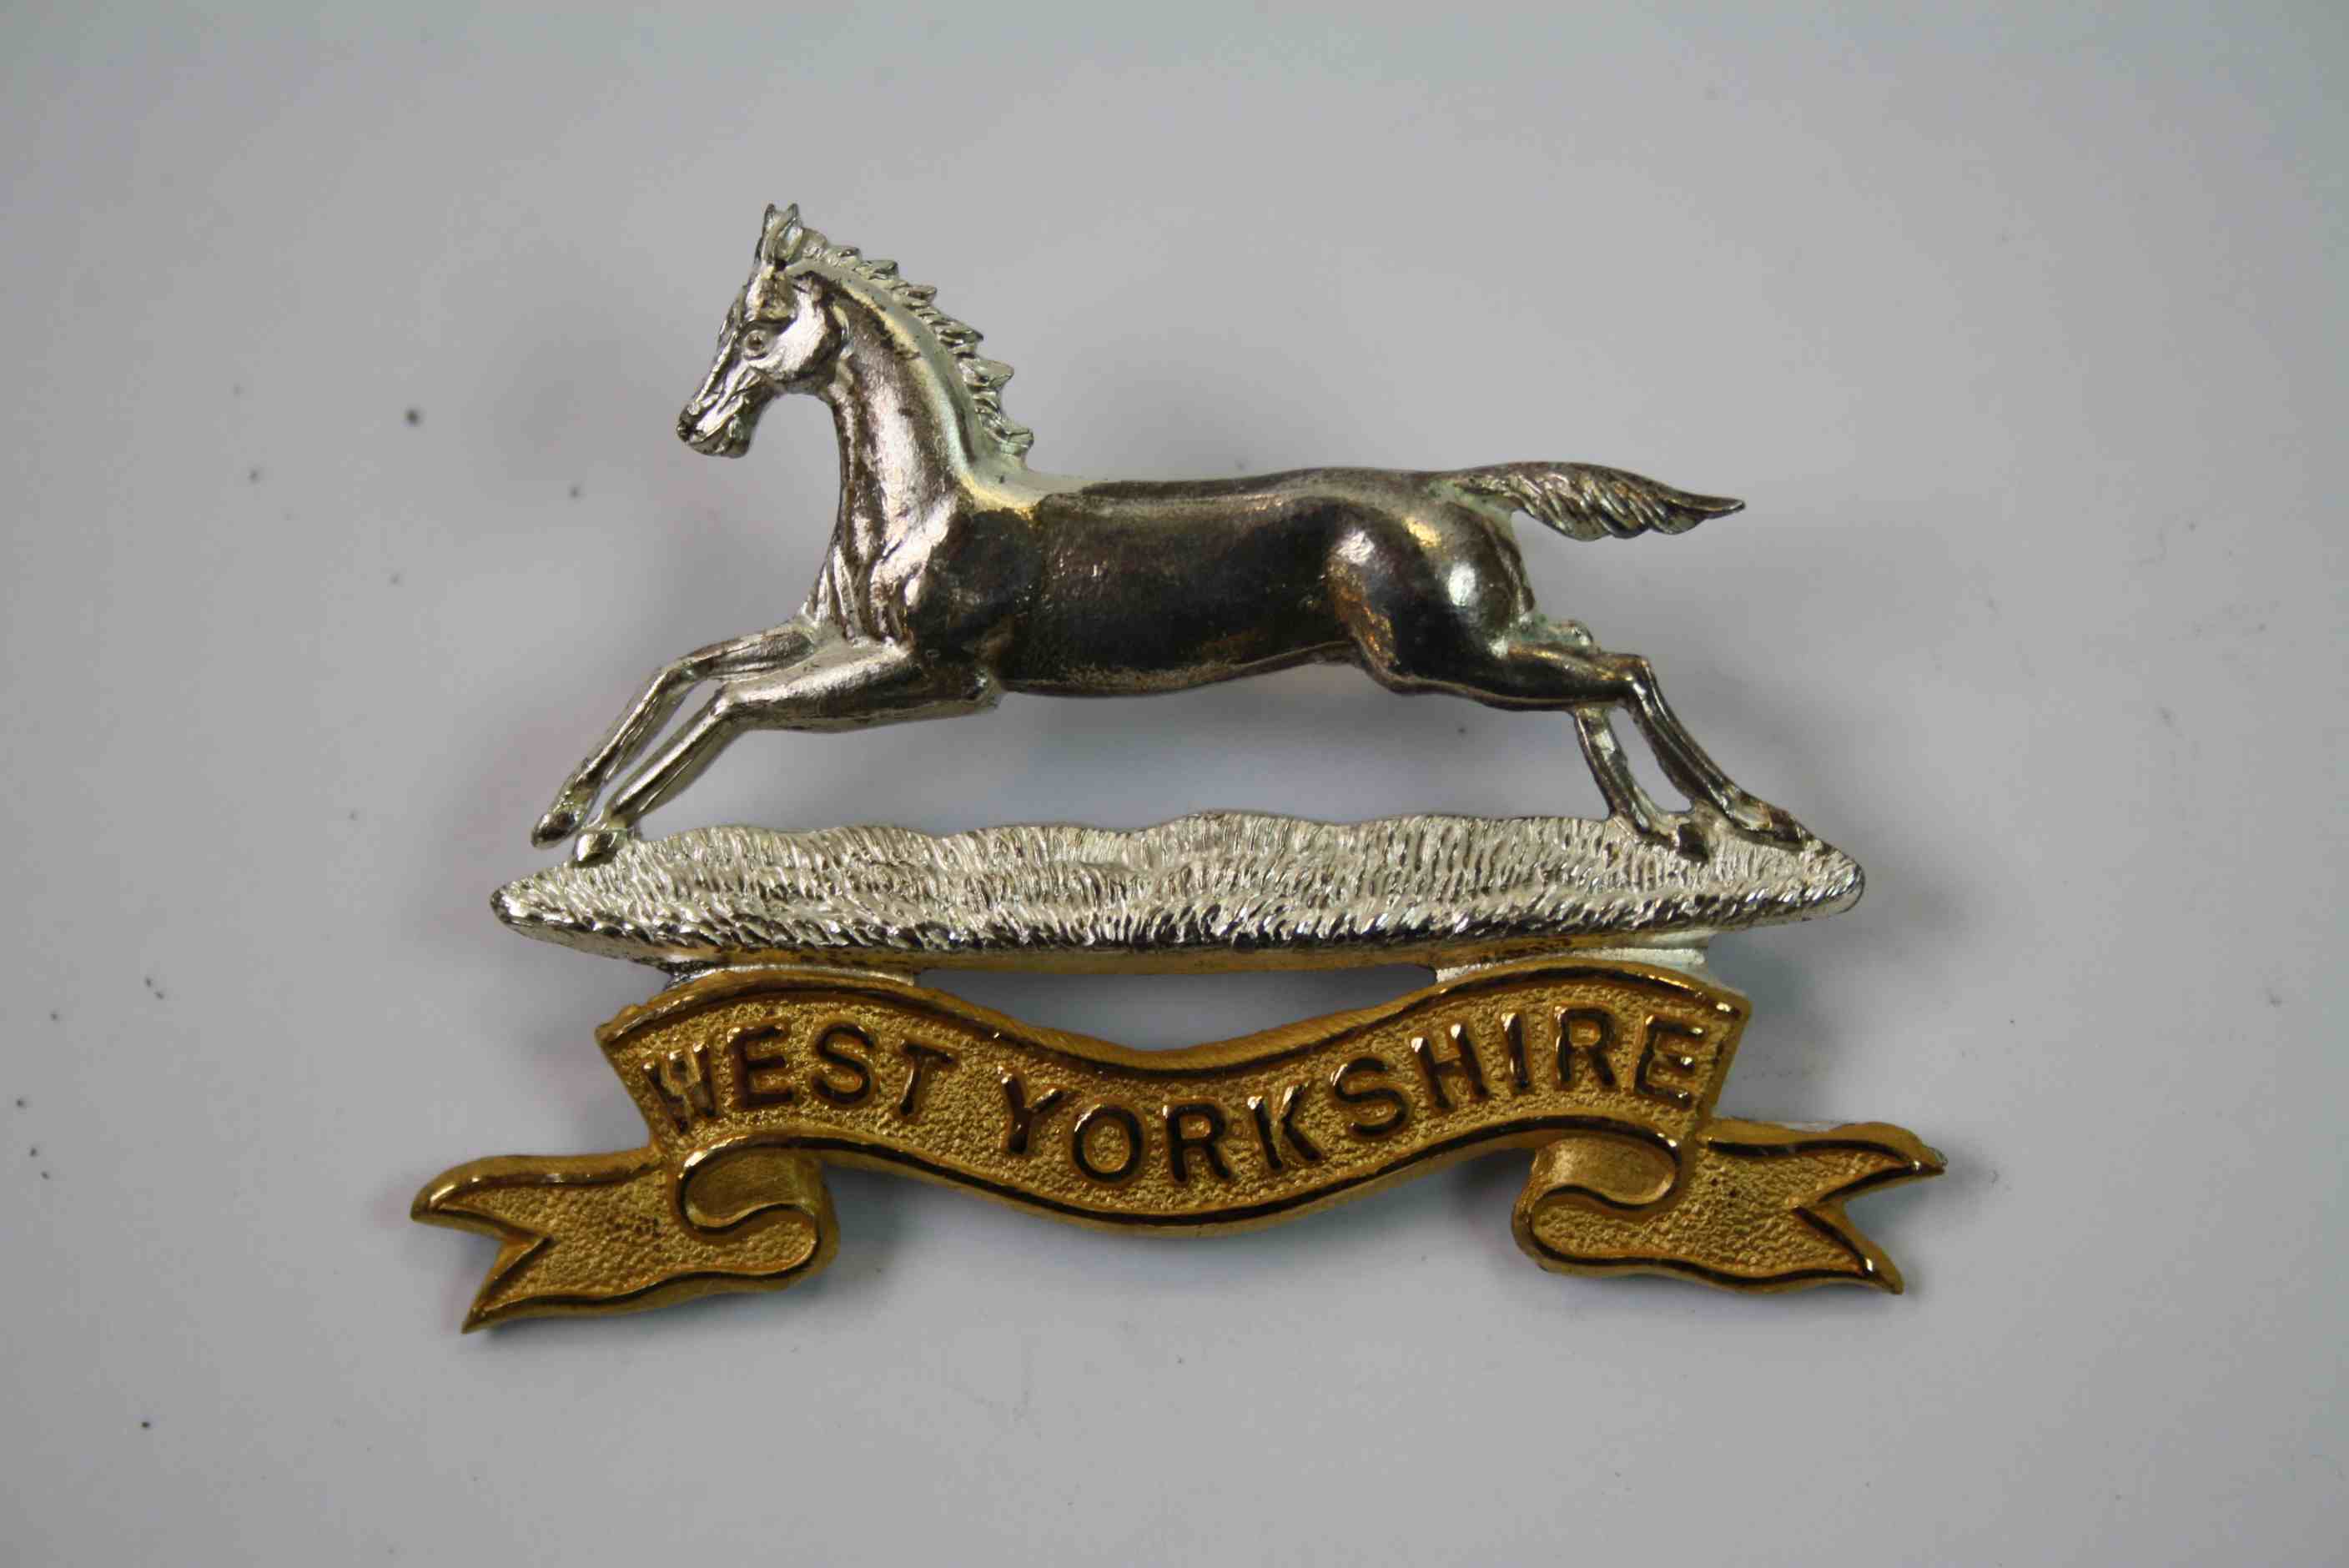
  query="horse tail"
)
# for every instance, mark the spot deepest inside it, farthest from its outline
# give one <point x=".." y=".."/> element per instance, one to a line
<point x="1582" y="500"/>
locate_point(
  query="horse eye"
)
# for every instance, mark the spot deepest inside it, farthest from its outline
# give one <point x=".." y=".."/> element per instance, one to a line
<point x="756" y="342"/>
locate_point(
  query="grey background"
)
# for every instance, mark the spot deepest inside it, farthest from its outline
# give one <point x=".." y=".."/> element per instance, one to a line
<point x="2021" y="331"/>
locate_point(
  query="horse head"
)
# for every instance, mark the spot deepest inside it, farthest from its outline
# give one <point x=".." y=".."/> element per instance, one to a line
<point x="778" y="337"/>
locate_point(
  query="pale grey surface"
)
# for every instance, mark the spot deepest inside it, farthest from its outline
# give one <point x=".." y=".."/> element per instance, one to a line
<point x="2023" y="335"/>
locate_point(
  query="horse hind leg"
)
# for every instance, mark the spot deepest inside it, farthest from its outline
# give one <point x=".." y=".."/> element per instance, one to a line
<point x="1539" y="665"/>
<point x="1688" y="767"/>
<point x="1611" y="770"/>
<point x="1625" y="797"/>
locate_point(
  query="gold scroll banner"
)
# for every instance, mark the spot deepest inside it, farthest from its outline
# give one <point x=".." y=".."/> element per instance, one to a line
<point x="749" y="1079"/>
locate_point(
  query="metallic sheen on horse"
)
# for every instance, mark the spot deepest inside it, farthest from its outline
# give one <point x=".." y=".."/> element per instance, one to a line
<point x="957" y="573"/>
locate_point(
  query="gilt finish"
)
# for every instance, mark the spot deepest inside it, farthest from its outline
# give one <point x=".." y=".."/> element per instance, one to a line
<point x="1571" y="1016"/>
<point x="751" y="1079"/>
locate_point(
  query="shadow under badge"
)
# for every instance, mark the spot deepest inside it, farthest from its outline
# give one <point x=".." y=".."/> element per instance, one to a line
<point x="1569" y="1014"/>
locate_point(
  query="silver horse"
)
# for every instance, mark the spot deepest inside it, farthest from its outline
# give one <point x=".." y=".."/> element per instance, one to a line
<point x="958" y="574"/>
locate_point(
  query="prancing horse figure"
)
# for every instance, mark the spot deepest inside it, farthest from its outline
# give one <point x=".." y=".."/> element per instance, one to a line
<point x="958" y="574"/>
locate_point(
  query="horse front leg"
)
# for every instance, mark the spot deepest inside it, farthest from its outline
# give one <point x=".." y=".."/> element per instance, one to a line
<point x="653" y="706"/>
<point x="1685" y="763"/>
<point x="842" y="685"/>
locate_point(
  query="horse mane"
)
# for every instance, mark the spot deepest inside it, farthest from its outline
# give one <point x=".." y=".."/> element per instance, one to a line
<point x="788" y="242"/>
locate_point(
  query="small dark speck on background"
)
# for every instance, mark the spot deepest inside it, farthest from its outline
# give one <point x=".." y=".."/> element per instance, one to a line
<point x="395" y="579"/>
<point x="575" y="492"/>
<point x="55" y="1015"/>
<point x="20" y="1102"/>
<point x="236" y="390"/>
<point x="253" y="476"/>
<point x="146" y="1425"/>
<point x="416" y="416"/>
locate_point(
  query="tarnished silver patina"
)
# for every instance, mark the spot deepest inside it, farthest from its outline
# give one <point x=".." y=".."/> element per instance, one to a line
<point x="1571" y="1015"/>
<point x="957" y="573"/>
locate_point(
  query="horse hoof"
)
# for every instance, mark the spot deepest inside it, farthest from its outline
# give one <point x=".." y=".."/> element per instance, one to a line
<point x="1766" y="821"/>
<point x="599" y="845"/>
<point x="1680" y="835"/>
<point x="554" y="826"/>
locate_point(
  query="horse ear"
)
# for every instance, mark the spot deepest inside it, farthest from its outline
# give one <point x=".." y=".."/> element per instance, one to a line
<point x="781" y="235"/>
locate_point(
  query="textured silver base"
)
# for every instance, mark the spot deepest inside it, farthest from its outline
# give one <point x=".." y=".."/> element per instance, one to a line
<point x="1223" y="889"/>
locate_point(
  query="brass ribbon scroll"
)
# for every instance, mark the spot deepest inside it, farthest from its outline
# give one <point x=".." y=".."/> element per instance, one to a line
<point x="750" y="1079"/>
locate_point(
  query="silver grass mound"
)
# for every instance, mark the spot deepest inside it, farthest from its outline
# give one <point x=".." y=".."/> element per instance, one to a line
<point x="1358" y="892"/>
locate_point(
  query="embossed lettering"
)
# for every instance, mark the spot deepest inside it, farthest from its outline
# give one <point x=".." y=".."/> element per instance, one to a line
<point x="1463" y="1061"/>
<point x="1181" y="1141"/>
<point x="1024" y="1116"/>
<point x="751" y="1049"/>
<point x="1512" y="1034"/>
<point x="1292" y="1101"/>
<point x="681" y="1078"/>
<point x="831" y="1047"/>
<point x="1080" y="1146"/>
<point x="1342" y="1084"/>
<point x="921" y="1061"/>
<point x="1669" y="1060"/>
<point x="1588" y="1033"/>
<point x="1260" y="1109"/>
<point x="1262" y="1116"/>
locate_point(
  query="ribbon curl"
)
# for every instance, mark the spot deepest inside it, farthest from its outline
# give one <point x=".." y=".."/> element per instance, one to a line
<point x="750" y="1080"/>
